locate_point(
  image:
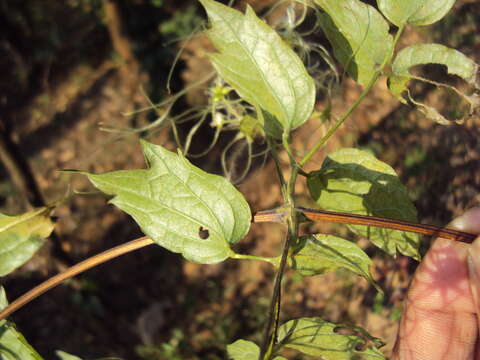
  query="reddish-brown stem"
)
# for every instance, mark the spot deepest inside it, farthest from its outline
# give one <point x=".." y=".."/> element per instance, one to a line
<point x="262" y="216"/>
<point x="353" y="219"/>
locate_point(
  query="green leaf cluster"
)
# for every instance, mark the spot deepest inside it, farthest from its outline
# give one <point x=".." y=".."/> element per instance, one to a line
<point x="201" y="215"/>
<point x="316" y="337"/>
<point x="361" y="42"/>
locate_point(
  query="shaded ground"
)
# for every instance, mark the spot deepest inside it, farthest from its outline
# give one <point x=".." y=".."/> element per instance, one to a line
<point x="151" y="296"/>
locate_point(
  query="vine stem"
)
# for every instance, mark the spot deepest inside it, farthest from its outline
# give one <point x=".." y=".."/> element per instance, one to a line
<point x="273" y="151"/>
<point x="271" y="328"/>
<point x="270" y="335"/>
<point x="96" y="260"/>
<point x="75" y="270"/>
<point x="342" y="119"/>
<point x="352" y="107"/>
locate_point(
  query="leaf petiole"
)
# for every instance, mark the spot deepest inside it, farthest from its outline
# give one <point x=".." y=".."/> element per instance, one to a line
<point x="272" y="260"/>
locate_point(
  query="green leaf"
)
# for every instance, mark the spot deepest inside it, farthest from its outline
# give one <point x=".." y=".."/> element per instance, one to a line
<point x="456" y="63"/>
<point x="13" y="346"/>
<point x="246" y="350"/>
<point x="330" y="341"/>
<point x="21" y="236"/>
<point x="414" y="12"/>
<point x="3" y="298"/>
<point x="358" y="34"/>
<point x="354" y="181"/>
<point x="243" y="350"/>
<point x="179" y="206"/>
<point x="320" y="253"/>
<point x="66" y="356"/>
<point x="259" y="65"/>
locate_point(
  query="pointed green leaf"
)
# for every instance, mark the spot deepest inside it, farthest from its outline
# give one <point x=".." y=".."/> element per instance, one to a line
<point x="358" y="34"/>
<point x="414" y="12"/>
<point x="243" y="350"/>
<point x="259" y="65"/>
<point x="420" y="54"/>
<point x="21" y="236"/>
<point x="354" y="181"/>
<point x="320" y="253"/>
<point x="179" y="206"/>
<point x="13" y="346"/>
<point x="330" y="341"/>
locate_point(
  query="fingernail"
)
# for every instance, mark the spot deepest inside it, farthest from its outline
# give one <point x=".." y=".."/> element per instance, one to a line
<point x="469" y="221"/>
<point x="473" y="261"/>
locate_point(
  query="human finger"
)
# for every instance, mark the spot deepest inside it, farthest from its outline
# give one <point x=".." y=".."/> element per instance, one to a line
<point x="439" y="319"/>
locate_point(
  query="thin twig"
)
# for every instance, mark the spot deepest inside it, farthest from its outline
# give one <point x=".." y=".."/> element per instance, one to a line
<point x="75" y="270"/>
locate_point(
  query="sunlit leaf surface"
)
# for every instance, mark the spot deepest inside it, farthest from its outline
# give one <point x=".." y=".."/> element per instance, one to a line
<point x="180" y="206"/>
<point x="243" y="350"/>
<point x="359" y="36"/>
<point x="259" y="65"/>
<point x="420" y="54"/>
<point x="414" y="12"/>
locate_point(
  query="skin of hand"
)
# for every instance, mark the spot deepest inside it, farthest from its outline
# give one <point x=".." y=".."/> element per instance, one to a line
<point x="440" y="319"/>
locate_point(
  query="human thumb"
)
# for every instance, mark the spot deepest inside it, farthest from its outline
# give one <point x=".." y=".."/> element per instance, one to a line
<point x="470" y="222"/>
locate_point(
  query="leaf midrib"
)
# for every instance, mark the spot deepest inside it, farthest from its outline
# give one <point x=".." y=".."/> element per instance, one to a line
<point x="21" y="219"/>
<point x="171" y="209"/>
<point x="285" y="113"/>
<point x="206" y="183"/>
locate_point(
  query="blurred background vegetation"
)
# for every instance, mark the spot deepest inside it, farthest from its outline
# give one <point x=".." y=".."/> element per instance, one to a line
<point x="70" y="68"/>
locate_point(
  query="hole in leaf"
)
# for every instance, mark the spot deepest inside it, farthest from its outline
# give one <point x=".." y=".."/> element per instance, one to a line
<point x="361" y="346"/>
<point x="363" y="342"/>
<point x="203" y="233"/>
